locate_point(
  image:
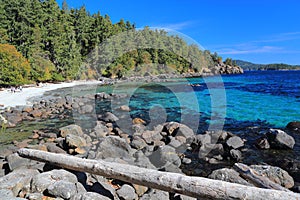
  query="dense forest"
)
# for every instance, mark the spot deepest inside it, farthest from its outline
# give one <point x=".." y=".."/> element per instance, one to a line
<point x="276" y="66"/>
<point x="41" y="41"/>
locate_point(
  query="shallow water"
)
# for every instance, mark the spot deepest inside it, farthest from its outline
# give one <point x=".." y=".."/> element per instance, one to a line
<point x="272" y="97"/>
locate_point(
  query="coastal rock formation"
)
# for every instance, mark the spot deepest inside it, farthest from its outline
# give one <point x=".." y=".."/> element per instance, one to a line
<point x="222" y="68"/>
<point x="280" y="139"/>
<point x="295" y="126"/>
<point x="170" y="146"/>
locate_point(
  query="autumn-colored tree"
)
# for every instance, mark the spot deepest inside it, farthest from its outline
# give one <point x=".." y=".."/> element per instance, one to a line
<point x="14" y="68"/>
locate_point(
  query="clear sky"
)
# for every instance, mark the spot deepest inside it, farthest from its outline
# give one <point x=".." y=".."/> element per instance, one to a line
<point x="259" y="31"/>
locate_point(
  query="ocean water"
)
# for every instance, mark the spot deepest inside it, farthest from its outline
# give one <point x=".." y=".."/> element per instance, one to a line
<point x="270" y="97"/>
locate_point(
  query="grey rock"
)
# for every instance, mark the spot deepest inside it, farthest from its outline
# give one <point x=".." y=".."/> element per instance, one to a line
<point x="6" y="194"/>
<point x="182" y="197"/>
<point x="48" y="135"/>
<point x="262" y="143"/>
<point x="184" y="131"/>
<point x="280" y="139"/>
<point x="74" y="141"/>
<point x="228" y="175"/>
<point x="90" y="196"/>
<point x="211" y="150"/>
<point x="170" y="127"/>
<point x="186" y="161"/>
<point x="155" y="195"/>
<point x="151" y="136"/>
<point x="101" y="130"/>
<point x="138" y="143"/>
<point x="236" y="154"/>
<point x="87" y="109"/>
<point x="55" y="149"/>
<point x="42" y="181"/>
<point x="202" y="139"/>
<point x="71" y="129"/>
<point x="34" y="196"/>
<point x="114" y="147"/>
<point x="125" y="108"/>
<point x="18" y="180"/>
<point x="102" y="95"/>
<point x="174" y="143"/>
<point x="235" y="142"/>
<point x="63" y="189"/>
<point x="109" y="117"/>
<point x="15" y="161"/>
<point x="103" y="188"/>
<point x="163" y="156"/>
<point x="141" y="160"/>
<point x="275" y="174"/>
<point x="127" y="192"/>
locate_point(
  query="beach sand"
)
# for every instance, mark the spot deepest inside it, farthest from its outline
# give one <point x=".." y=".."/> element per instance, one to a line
<point x="9" y="99"/>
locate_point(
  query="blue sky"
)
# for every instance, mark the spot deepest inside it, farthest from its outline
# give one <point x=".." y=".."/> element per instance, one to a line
<point x="259" y="31"/>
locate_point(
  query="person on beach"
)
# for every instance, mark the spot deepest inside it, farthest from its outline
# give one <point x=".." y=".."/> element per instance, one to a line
<point x="13" y="89"/>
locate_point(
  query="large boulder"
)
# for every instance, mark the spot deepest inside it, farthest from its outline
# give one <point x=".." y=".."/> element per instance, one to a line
<point x="71" y="129"/>
<point x="275" y="174"/>
<point x="18" y="180"/>
<point x="74" y="141"/>
<point x="42" y="181"/>
<point x="280" y="139"/>
<point x="164" y="156"/>
<point x="62" y="189"/>
<point x="114" y="147"/>
<point x="228" y="175"/>
<point x="235" y="142"/>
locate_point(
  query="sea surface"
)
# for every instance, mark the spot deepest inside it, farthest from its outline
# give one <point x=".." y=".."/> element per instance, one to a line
<point x="263" y="97"/>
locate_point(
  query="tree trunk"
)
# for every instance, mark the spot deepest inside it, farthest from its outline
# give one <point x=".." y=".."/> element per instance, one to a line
<point x="171" y="182"/>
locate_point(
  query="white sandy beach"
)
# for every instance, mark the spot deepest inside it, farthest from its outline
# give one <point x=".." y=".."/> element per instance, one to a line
<point x="9" y="99"/>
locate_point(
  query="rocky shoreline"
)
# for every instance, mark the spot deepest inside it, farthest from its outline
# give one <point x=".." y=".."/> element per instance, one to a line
<point x="170" y="146"/>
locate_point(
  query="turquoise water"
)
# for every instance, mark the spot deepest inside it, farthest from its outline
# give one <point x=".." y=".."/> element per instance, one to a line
<point x="271" y="97"/>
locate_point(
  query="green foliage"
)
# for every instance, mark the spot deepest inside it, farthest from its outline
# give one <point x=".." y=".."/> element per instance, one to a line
<point x="14" y="68"/>
<point x="58" y="41"/>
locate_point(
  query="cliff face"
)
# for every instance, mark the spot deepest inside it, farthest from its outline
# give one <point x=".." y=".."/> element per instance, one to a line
<point x="222" y="68"/>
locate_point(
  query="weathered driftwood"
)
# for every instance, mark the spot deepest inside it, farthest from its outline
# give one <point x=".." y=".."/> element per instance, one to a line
<point x="171" y="182"/>
<point x="253" y="177"/>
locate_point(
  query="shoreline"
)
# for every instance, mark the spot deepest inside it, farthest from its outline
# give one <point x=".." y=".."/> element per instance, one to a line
<point x="9" y="99"/>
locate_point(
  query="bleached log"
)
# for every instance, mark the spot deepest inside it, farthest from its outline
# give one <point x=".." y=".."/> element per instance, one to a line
<point x="197" y="187"/>
<point x="253" y="177"/>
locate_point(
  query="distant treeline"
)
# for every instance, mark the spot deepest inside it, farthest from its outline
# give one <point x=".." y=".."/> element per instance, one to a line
<point x="280" y="66"/>
<point x="39" y="41"/>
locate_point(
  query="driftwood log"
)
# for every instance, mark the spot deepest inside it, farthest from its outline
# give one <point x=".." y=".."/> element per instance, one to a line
<point x="253" y="177"/>
<point x="197" y="187"/>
